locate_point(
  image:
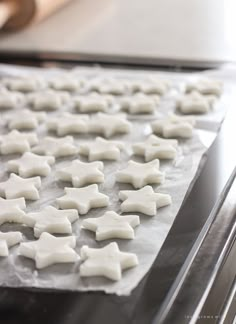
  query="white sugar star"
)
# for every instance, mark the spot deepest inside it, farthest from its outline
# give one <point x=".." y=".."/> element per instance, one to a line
<point x="108" y="261"/>
<point x="206" y="87"/>
<point x="47" y="100"/>
<point x="150" y="86"/>
<point x="11" y="210"/>
<point x="102" y="149"/>
<point x="49" y="249"/>
<point x="144" y="201"/>
<point x="31" y="164"/>
<point x="67" y="123"/>
<point x="22" y="84"/>
<point x="16" y="187"/>
<point x="57" y="147"/>
<point x="16" y="142"/>
<point x="141" y="174"/>
<point x="93" y="102"/>
<point x="196" y="103"/>
<point x="51" y="220"/>
<point x="174" y="126"/>
<point x="109" y="85"/>
<point x="111" y="225"/>
<point x="26" y="120"/>
<point x="8" y="240"/>
<point x="66" y="83"/>
<point x="10" y="100"/>
<point x="109" y="125"/>
<point x="83" y="199"/>
<point x="156" y="148"/>
<point x="80" y="173"/>
<point x="140" y="103"/>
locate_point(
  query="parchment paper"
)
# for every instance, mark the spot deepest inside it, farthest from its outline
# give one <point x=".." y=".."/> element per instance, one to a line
<point x="17" y="271"/>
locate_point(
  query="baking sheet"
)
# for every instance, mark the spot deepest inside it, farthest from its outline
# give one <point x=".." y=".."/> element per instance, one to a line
<point x="18" y="271"/>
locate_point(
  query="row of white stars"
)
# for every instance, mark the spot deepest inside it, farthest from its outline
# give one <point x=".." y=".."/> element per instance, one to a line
<point x="48" y="249"/>
<point x="100" y="149"/>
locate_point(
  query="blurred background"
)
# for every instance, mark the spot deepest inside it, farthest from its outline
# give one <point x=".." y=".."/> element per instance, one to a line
<point x="190" y="31"/>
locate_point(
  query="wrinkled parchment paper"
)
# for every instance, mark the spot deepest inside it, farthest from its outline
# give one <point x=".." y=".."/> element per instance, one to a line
<point x="18" y="271"/>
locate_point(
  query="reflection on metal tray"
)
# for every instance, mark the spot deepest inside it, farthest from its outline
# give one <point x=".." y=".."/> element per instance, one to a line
<point x="163" y="292"/>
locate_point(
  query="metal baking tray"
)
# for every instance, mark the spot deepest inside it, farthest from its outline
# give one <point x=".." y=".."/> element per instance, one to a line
<point x="166" y="294"/>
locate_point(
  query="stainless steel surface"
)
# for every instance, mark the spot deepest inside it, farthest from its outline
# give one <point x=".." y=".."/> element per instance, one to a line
<point x="184" y="30"/>
<point x="229" y="312"/>
<point x="208" y="290"/>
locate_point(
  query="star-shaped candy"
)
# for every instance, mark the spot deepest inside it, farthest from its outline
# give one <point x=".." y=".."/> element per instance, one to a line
<point x="51" y="220"/>
<point x="12" y="210"/>
<point x="16" y="187"/>
<point x="156" y="148"/>
<point x="141" y="174"/>
<point x="16" y="142"/>
<point x="8" y="240"/>
<point x="57" y="147"/>
<point x="47" y="100"/>
<point x="67" y="123"/>
<point x="83" y="199"/>
<point x="150" y="86"/>
<point x="93" y="102"/>
<point x="156" y="140"/>
<point x="102" y="149"/>
<point x="206" y="87"/>
<point x="111" y="225"/>
<point x="49" y="249"/>
<point x="144" y="201"/>
<point x="22" y="84"/>
<point x="10" y="100"/>
<point x="174" y="126"/>
<point x="196" y="103"/>
<point x="109" y="85"/>
<point x="80" y="173"/>
<point x="30" y="164"/>
<point x="108" y="261"/>
<point x="66" y="83"/>
<point x="109" y="125"/>
<point x="26" y="120"/>
<point x="140" y="103"/>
